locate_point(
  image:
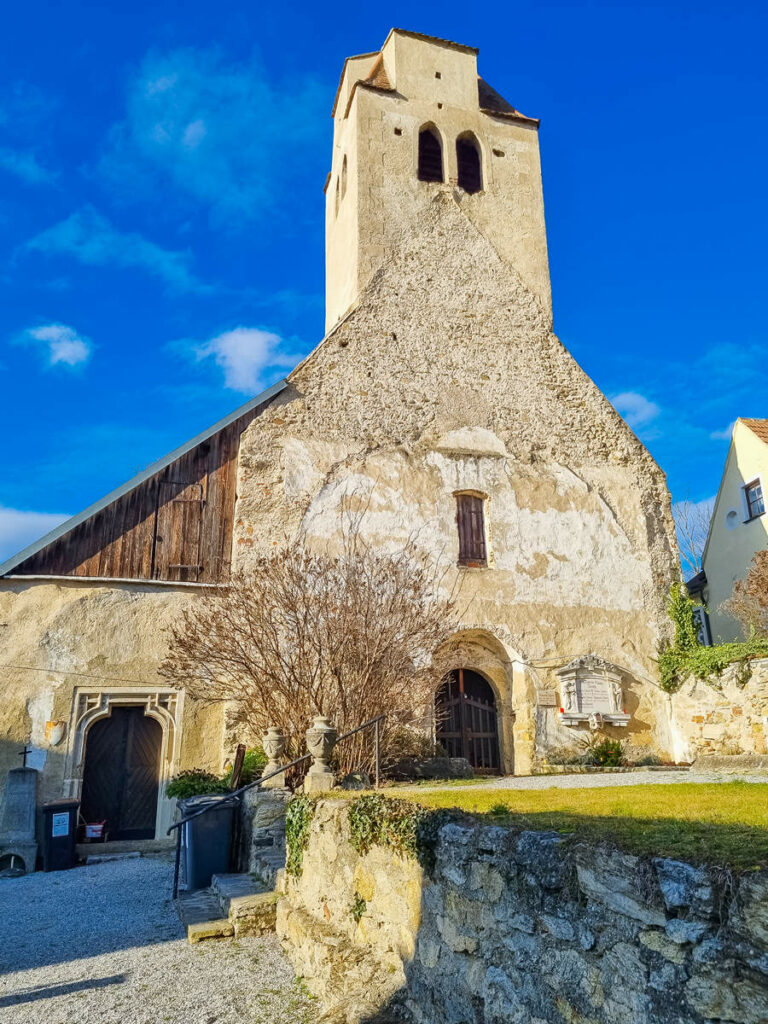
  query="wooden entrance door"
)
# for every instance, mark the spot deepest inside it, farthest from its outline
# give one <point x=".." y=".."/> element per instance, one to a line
<point x="467" y="726"/>
<point x="121" y="775"/>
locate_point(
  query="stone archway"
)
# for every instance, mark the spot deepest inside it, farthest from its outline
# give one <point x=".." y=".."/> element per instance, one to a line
<point x="91" y="705"/>
<point x="478" y="649"/>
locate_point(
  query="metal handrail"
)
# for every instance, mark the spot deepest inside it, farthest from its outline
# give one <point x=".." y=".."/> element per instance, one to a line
<point x="237" y="793"/>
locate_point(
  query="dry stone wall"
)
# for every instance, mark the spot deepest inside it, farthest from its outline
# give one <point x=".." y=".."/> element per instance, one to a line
<point x="726" y="715"/>
<point x="523" y="927"/>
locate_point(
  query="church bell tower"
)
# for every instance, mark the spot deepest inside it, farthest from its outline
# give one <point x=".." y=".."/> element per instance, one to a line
<point x="411" y="120"/>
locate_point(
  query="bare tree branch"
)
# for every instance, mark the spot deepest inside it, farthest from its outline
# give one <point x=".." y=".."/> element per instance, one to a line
<point x="692" y="520"/>
<point x="350" y="636"/>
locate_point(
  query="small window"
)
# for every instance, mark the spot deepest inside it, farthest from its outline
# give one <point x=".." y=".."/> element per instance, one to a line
<point x="755" y="500"/>
<point x="471" y="522"/>
<point x="430" y="156"/>
<point x="344" y="178"/>
<point x="468" y="162"/>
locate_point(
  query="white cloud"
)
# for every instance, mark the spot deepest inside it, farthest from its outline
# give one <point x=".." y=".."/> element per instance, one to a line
<point x="636" y="409"/>
<point x="244" y="354"/>
<point x="93" y="240"/>
<point x="218" y="132"/>
<point x="61" y="344"/>
<point x="25" y="165"/>
<point x="724" y="434"/>
<point x="19" y="528"/>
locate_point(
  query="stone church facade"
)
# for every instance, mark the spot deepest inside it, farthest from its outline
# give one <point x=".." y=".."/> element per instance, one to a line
<point x="440" y="398"/>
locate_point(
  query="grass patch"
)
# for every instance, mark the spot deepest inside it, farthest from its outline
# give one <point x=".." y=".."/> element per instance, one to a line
<point x="717" y="823"/>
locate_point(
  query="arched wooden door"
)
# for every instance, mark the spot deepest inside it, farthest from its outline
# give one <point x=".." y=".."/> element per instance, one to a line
<point x="465" y="711"/>
<point x="121" y="774"/>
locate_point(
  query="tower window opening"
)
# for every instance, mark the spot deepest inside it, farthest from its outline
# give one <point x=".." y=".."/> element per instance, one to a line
<point x="438" y="74"/>
<point x="470" y="519"/>
<point x="468" y="161"/>
<point x="344" y="178"/>
<point x="430" y="156"/>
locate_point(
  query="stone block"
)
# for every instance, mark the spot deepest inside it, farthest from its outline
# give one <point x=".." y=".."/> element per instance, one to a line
<point x="751" y="917"/>
<point x="683" y="885"/>
<point x="683" y="932"/>
<point x="543" y="855"/>
<point x="718" y="995"/>
<point x="658" y="942"/>
<point x="615" y="879"/>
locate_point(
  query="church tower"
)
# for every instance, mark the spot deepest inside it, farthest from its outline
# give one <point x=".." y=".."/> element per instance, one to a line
<point x="412" y="120"/>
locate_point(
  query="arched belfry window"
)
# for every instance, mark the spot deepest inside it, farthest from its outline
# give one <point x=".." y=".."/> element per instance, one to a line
<point x="430" y="155"/>
<point x="469" y="164"/>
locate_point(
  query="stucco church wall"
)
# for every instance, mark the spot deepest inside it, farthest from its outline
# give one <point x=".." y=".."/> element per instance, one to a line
<point x="69" y="636"/>
<point x="446" y="377"/>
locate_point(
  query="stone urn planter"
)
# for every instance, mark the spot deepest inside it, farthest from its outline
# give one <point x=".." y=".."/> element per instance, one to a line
<point x="321" y="739"/>
<point x="273" y="742"/>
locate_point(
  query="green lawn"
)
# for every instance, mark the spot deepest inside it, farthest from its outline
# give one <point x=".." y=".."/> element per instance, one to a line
<point x="717" y="823"/>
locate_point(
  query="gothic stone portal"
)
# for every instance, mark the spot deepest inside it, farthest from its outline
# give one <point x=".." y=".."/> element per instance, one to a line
<point x="121" y="776"/>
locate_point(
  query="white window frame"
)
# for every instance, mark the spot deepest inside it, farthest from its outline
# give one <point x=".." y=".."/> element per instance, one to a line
<point x="748" y="517"/>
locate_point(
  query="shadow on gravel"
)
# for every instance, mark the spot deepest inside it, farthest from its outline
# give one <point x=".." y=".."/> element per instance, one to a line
<point x="31" y="995"/>
<point x="85" y="912"/>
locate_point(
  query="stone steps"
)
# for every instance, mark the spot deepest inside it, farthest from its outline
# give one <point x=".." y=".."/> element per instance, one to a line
<point x="234" y="905"/>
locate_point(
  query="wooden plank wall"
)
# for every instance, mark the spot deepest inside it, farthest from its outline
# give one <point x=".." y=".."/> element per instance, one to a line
<point x="122" y="539"/>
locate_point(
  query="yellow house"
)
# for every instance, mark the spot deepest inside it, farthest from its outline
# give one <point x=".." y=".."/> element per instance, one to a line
<point x="739" y="524"/>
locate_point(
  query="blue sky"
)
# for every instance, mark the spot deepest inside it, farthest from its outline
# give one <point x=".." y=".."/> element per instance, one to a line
<point x="161" y="216"/>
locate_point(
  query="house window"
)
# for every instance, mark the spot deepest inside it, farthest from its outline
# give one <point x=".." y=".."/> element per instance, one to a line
<point x="755" y="500"/>
<point x="470" y="519"/>
<point x="430" y="156"/>
<point x="468" y="162"/>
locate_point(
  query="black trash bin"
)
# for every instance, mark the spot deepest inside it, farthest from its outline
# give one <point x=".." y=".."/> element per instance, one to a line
<point x="206" y="840"/>
<point x="59" y="834"/>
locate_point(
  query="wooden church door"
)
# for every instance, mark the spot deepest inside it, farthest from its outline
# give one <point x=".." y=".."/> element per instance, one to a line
<point x="121" y="776"/>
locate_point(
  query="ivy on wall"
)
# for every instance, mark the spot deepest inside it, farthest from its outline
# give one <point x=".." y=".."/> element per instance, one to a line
<point x="298" y="818"/>
<point x="687" y="657"/>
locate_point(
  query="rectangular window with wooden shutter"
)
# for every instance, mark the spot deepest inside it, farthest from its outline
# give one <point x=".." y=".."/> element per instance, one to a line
<point x="471" y="523"/>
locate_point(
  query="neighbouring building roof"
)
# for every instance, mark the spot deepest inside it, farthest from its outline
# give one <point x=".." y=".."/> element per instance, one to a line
<point x="758" y="427"/>
<point x="696" y="583"/>
<point x="156" y="467"/>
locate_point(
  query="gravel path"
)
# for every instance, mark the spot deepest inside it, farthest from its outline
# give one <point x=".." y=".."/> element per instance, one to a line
<point x="103" y="945"/>
<point x="595" y="781"/>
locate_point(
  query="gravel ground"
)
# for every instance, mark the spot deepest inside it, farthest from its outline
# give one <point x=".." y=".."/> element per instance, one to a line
<point x="103" y="945"/>
<point x="595" y="781"/>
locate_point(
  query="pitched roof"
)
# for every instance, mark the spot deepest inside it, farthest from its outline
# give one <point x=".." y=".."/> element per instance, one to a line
<point x="758" y="427"/>
<point x="156" y="467"/>
<point x="432" y="39"/>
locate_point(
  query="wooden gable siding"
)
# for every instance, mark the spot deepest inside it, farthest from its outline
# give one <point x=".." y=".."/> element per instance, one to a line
<point x="177" y="525"/>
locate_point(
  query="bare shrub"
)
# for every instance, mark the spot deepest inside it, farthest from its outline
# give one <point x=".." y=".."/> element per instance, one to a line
<point x="749" y="601"/>
<point x="301" y="634"/>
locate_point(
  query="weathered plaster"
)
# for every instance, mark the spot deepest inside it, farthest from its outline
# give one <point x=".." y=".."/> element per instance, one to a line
<point x="446" y="378"/>
<point x="63" y="637"/>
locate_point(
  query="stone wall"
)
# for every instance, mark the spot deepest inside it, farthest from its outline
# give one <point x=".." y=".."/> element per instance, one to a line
<point x="525" y="927"/>
<point x="726" y="715"/>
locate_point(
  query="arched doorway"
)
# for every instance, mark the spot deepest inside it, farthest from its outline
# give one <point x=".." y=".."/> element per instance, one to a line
<point x="466" y="725"/>
<point x="121" y="773"/>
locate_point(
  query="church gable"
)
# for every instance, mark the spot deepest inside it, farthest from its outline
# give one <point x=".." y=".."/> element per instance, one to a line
<point x="173" y="522"/>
